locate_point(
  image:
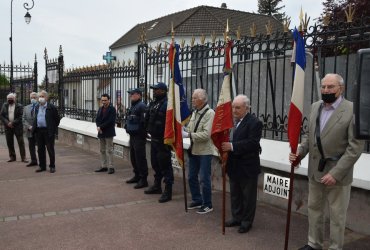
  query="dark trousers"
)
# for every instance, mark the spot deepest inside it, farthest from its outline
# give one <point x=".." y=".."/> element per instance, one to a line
<point x="138" y="156"/>
<point x="9" y="135"/>
<point x="32" y="148"/>
<point x="44" y="140"/>
<point x="160" y="156"/>
<point x="243" y="194"/>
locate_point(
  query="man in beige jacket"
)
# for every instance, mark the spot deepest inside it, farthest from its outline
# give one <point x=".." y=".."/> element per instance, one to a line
<point x="201" y="152"/>
<point x="330" y="172"/>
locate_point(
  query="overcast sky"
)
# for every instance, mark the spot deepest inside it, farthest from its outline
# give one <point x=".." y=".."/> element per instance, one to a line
<point x="87" y="28"/>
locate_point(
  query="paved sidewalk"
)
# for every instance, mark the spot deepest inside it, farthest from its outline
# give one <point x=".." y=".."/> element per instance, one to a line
<point x="76" y="208"/>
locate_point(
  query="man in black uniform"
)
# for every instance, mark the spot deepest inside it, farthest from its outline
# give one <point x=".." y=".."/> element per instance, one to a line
<point x="160" y="152"/>
<point x="135" y="127"/>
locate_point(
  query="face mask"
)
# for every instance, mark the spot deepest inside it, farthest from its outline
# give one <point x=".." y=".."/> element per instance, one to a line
<point x="11" y="102"/>
<point x="42" y="100"/>
<point x="33" y="101"/>
<point x="328" y="98"/>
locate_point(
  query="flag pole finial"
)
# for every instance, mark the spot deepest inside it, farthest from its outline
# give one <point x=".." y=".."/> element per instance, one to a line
<point x="226" y="34"/>
<point x="172" y="33"/>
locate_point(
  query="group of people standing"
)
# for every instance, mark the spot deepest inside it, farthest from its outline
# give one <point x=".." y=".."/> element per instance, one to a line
<point x="148" y="122"/>
<point x="39" y="120"/>
<point x="330" y="142"/>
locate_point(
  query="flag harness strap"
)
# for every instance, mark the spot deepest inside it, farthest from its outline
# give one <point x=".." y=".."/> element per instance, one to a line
<point x="323" y="160"/>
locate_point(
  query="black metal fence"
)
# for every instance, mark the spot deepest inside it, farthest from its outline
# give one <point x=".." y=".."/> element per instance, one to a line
<point x="24" y="81"/>
<point x="262" y="70"/>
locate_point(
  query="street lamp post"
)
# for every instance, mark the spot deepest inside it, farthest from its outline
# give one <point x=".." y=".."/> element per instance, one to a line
<point x="27" y="18"/>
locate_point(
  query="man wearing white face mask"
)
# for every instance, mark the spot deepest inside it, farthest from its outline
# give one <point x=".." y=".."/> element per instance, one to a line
<point x="28" y="119"/>
<point x="45" y="126"/>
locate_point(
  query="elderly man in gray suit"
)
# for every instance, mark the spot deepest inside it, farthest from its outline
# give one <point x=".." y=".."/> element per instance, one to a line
<point x="28" y="119"/>
<point x="333" y="151"/>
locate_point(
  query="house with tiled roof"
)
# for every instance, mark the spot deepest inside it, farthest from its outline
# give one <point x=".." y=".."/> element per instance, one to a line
<point x="195" y="22"/>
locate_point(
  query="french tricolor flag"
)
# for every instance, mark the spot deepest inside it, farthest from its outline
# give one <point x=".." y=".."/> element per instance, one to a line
<point x="296" y="104"/>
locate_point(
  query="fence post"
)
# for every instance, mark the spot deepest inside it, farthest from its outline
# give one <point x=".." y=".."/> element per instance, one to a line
<point x="46" y="69"/>
<point x="35" y="75"/>
<point x="61" y="82"/>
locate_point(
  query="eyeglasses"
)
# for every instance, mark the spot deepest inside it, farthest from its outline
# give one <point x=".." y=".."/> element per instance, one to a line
<point x="329" y="87"/>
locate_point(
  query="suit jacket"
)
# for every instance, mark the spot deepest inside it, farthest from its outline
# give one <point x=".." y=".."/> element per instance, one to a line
<point x="28" y="119"/>
<point x="51" y="117"/>
<point x="337" y="140"/>
<point x="244" y="160"/>
<point x="106" y="122"/>
<point x="18" y="112"/>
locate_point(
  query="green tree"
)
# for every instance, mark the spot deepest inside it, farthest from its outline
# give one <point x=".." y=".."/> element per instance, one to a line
<point x="4" y="82"/>
<point x="271" y="8"/>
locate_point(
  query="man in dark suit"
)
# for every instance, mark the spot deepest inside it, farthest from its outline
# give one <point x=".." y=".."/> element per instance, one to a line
<point x="11" y="115"/>
<point x="45" y="126"/>
<point x="105" y="125"/>
<point x="243" y="164"/>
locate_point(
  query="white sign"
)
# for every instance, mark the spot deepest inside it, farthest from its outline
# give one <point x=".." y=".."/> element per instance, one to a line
<point x="118" y="150"/>
<point x="276" y="185"/>
<point x="175" y="163"/>
<point x="80" y="139"/>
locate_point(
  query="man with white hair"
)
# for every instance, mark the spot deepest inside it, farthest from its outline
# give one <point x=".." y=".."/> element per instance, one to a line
<point x="45" y="126"/>
<point x="28" y="119"/>
<point x="243" y="164"/>
<point x="11" y="115"/>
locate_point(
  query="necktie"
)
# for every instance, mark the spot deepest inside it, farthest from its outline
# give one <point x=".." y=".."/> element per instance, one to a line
<point x="33" y="110"/>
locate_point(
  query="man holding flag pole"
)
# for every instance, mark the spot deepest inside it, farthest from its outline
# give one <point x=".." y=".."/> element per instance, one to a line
<point x="177" y="112"/>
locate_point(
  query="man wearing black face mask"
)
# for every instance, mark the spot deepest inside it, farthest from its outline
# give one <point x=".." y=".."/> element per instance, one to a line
<point x="160" y="154"/>
<point x="333" y="152"/>
<point x="11" y="115"/>
<point x="135" y="127"/>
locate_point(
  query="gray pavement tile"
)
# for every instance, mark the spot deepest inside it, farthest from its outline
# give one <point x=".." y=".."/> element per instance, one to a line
<point x="63" y="212"/>
<point x="35" y="216"/>
<point x="47" y="214"/>
<point x="1" y="219"/>
<point x="24" y="217"/>
<point x="85" y="209"/>
<point x="98" y="208"/>
<point x="109" y="206"/>
<point x="11" y="218"/>
<point x="75" y="210"/>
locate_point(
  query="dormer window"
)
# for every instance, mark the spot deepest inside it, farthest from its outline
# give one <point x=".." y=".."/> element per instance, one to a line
<point x="153" y="25"/>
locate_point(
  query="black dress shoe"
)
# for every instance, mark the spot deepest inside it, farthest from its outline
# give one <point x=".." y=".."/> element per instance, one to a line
<point x="308" y="247"/>
<point x="244" y="229"/>
<point x="134" y="179"/>
<point x="111" y="171"/>
<point x="40" y="170"/>
<point x="101" y="170"/>
<point x="141" y="184"/>
<point x="232" y="223"/>
<point x="31" y="164"/>
<point x="11" y="160"/>
<point x="52" y="170"/>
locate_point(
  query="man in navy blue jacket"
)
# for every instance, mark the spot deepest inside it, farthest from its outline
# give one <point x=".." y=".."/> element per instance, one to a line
<point x="105" y="125"/>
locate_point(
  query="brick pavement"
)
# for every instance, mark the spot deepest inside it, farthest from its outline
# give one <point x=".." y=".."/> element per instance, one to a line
<point x="76" y="208"/>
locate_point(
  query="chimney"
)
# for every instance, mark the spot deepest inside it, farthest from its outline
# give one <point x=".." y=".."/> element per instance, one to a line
<point x="223" y="6"/>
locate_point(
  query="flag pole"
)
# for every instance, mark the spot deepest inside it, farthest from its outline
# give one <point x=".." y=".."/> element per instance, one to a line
<point x="183" y="161"/>
<point x="287" y="227"/>
<point x="222" y="157"/>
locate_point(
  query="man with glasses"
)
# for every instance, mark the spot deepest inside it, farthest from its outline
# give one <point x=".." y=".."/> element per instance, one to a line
<point x="28" y="118"/>
<point x="333" y="151"/>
